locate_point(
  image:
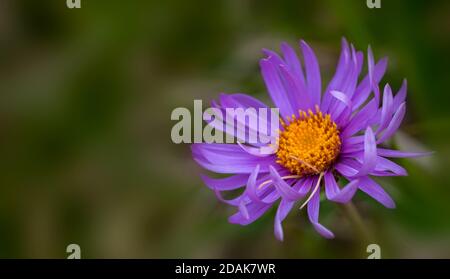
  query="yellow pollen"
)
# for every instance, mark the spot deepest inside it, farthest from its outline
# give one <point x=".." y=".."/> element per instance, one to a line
<point x="308" y="144"/>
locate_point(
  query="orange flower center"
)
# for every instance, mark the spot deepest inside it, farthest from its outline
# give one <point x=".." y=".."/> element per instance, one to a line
<point x="308" y="144"/>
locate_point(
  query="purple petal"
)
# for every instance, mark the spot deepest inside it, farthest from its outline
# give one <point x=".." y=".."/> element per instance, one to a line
<point x="374" y="190"/>
<point x="333" y="192"/>
<point x="222" y="153"/>
<point x="243" y="210"/>
<point x="282" y="212"/>
<point x="228" y="158"/>
<point x="338" y="78"/>
<point x="252" y="188"/>
<point x="323" y="231"/>
<point x="331" y="187"/>
<point x="293" y="62"/>
<point x="384" y="167"/>
<point x="401" y="154"/>
<point x="387" y="108"/>
<point x="345" y="169"/>
<point x="274" y="56"/>
<point x="370" y="153"/>
<point x="256" y="151"/>
<point x="247" y="101"/>
<point x="372" y="83"/>
<point x="384" y="164"/>
<point x="364" y="88"/>
<point x="254" y="210"/>
<point x="371" y="65"/>
<point x="283" y="188"/>
<point x="313" y="214"/>
<point x="401" y="95"/>
<point x="337" y="112"/>
<point x="347" y="192"/>
<point x="313" y="208"/>
<point x="394" y="124"/>
<point x="360" y="119"/>
<point x="244" y="127"/>
<point x="233" y="202"/>
<point x="352" y="144"/>
<point x="313" y="78"/>
<point x="225" y="184"/>
<point x="243" y="131"/>
<point x="342" y="97"/>
<point x="296" y="92"/>
<point x="352" y="77"/>
<point x="276" y="90"/>
<point x="303" y="186"/>
<point x="359" y="66"/>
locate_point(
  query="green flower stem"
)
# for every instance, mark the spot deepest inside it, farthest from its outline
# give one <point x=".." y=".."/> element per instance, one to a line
<point x="356" y="221"/>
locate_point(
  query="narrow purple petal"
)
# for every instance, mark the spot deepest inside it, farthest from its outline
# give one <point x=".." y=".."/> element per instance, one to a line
<point x="225" y="184"/>
<point x="313" y="214"/>
<point x="293" y="62"/>
<point x="351" y="81"/>
<point x="251" y="107"/>
<point x="243" y="131"/>
<point x="347" y="192"/>
<point x="256" y="151"/>
<point x="333" y="192"/>
<point x="247" y="101"/>
<point x="360" y="119"/>
<point x="228" y="158"/>
<point x="233" y="202"/>
<point x="243" y="210"/>
<point x="282" y="212"/>
<point x="342" y="97"/>
<point x="340" y="115"/>
<point x="313" y="208"/>
<point x="394" y="124"/>
<point x="296" y="93"/>
<point x="371" y="65"/>
<point x="359" y="66"/>
<point x="244" y="167"/>
<point x="273" y="83"/>
<point x="364" y="88"/>
<point x="331" y="187"/>
<point x="303" y="186"/>
<point x="254" y="210"/>
<point x="386" y="109"/>
<point x="373" y="84"/>
<point x="345" y="169"/>
<point x="339" y="76"/>
<point x="274" y="56"/>
<point x="384" y="164"/>
<point x="313" y="78"/>
<point x="401" y="154"/>
<point x="370" y="153"/>
<point x="352" y="143"/>
<point x="400" y="97"/>
<point x="323" y="231"/>
<point x="285" y="190"/>
<point x="374" y="190"/>
<point x="252" y="187"/>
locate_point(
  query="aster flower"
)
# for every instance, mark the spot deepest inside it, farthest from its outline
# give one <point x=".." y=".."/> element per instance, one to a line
<point x="326" y="136"/>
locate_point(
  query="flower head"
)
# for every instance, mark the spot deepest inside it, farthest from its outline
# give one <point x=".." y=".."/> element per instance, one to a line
<point x="325" y="136"/>
<point x="308" y="144"/>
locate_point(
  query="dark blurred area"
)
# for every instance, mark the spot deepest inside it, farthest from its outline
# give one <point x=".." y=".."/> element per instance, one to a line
<point x="85" y="102"/>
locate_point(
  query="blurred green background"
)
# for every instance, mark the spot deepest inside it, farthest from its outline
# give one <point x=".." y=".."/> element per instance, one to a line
<point x="85" y="102"/>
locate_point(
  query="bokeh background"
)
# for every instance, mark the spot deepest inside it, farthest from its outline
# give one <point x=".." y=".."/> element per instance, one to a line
<point x="85" y="103"/>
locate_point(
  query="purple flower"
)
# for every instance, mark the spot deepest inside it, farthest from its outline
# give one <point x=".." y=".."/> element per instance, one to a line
<point x="325" y="136"/>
